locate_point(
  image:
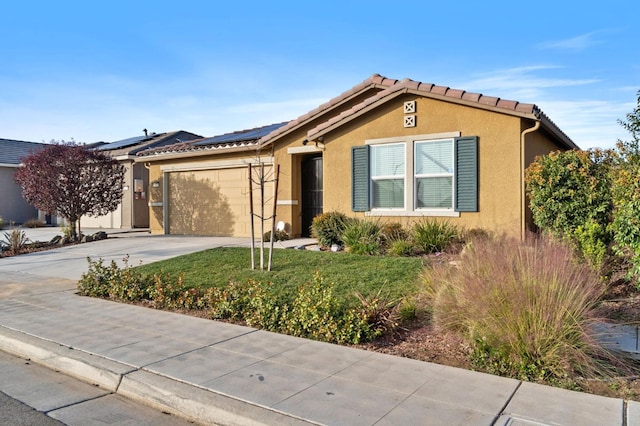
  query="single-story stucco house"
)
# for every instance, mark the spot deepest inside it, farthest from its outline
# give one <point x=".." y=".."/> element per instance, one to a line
<point x="13" y="207"/>
<point x="394" y="150"/>
<point x="133" y="211"/>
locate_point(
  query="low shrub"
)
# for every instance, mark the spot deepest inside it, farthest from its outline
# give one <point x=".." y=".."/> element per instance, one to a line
<point x="67" y="231"/>
<point x="113" y="282"/>
<point x="431" y="236"/>
<point x="362" y="237"/>
<point x="2" y="223"/>
<point x="171" y="293"/>
<point x="524" y="307"/>
<point x="473" y="234"/>
<point x="315" y="312"/>
<point x="277" y="236"/>
<point x="400" y="248"/>
<point x="327" y="228"/>
<point x="99" y="279"/>
<point x="393" y="231"/>
<point x="14" y="241"/>
<point x="33" y="223"/>
<point x="408" y="310"/>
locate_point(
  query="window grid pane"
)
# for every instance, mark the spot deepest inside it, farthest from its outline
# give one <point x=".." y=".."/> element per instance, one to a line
<point x="388" y="176"/>
<point x="388" y="193"/>
<point x="434" y="192"/>
<point x="434" y="158"/>
<point x="387" y="160"/>
<point x="434" y="174"/>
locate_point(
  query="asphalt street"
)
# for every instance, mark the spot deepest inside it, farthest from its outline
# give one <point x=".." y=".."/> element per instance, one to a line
<point x="31" y="394"/>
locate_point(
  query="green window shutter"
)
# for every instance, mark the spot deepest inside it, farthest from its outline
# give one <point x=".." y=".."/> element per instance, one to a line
<point x="466" y="174"/>
<point x="360" y="178"/>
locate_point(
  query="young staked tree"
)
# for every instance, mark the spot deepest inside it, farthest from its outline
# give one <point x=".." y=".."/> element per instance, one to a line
<point x="262" y="176"/>
<point x="72" y="181"/>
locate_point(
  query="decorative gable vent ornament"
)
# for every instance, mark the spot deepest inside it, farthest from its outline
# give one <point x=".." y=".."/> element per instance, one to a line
<point x="409" y="107"/>
<point x="409" y="121"/>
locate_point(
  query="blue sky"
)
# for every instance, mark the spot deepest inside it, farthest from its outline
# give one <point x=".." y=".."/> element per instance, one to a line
<point x="96" y="71"/>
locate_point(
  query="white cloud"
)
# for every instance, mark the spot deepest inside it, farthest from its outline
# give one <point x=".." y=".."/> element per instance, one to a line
<point x="591" y="123"/>
<point x="587" y="117"/>
<point x="577" y="43"/>
<point x="520" y="83"/>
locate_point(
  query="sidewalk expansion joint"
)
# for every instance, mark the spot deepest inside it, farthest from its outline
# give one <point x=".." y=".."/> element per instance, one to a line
<point x="144" y="367"/>
<point x="506" y="404"/>
<point x="79" y="402"/>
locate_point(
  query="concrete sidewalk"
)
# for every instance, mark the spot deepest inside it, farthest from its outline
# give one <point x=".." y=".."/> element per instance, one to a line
<point x="217" y="373"/>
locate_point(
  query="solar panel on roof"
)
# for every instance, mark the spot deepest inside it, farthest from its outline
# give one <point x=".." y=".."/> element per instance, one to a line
<point x="123" y="143"/>
<point x="246" y="135"/>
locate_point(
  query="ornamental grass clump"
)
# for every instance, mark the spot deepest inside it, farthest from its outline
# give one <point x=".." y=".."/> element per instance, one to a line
<point x="431" y="236"/>
<point x="524" y="307"/>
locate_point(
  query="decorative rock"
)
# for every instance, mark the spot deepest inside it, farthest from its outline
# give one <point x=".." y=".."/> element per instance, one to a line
<point x="55" y="240"/>
<point x="64" y="240"/>
<point x="101" y="235"/>
<point x="86" y="239"/>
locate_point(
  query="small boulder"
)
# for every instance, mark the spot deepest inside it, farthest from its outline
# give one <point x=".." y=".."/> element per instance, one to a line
<point x="101" y="235"/>
<point x="55" y="240"/>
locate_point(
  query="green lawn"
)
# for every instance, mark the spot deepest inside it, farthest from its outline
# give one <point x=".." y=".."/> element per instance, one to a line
<point x="396" y="276"/>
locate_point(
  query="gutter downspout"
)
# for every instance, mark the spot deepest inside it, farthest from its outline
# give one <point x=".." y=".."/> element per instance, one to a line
<point x="523" y="208"/>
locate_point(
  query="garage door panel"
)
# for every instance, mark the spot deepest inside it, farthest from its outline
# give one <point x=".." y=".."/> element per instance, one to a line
<point x="213" y="202"/>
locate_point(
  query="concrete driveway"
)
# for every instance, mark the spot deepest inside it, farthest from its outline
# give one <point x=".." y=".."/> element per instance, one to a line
<point x="60" y="268"/>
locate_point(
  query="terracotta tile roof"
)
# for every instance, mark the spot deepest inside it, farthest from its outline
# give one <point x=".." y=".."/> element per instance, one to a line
<point x="12" y="151"/>
<point x="441" y="92"/>
<point x="386" y="89"/>
<point x="375" y="81"/>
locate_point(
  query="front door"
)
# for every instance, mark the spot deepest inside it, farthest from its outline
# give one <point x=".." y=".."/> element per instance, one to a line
<point x="311" y="192"/>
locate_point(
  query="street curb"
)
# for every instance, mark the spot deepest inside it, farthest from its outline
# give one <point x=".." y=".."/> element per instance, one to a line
<point x="199" y="404"/>
<point x="82" y="365"/>
<point x="163" y="393"/>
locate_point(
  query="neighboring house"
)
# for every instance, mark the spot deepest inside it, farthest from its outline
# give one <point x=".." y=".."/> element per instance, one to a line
<point x="386" y="149"/>
<point x="133" y="212"/>
<point x="13" y="207"/>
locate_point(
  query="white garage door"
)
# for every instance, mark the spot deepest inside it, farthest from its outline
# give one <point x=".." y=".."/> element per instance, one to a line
<point x="110" y="220"/>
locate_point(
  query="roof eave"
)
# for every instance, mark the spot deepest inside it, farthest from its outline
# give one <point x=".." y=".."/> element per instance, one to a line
<point x="274" y="136"/>
<point x="551" y="127"/>
<point x="149" y="158"/>
<point x="545" y="121"/>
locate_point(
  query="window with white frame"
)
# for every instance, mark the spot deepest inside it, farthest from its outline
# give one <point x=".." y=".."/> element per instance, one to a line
<point x="433" y="166"/>
<point x="388" y="176"/>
